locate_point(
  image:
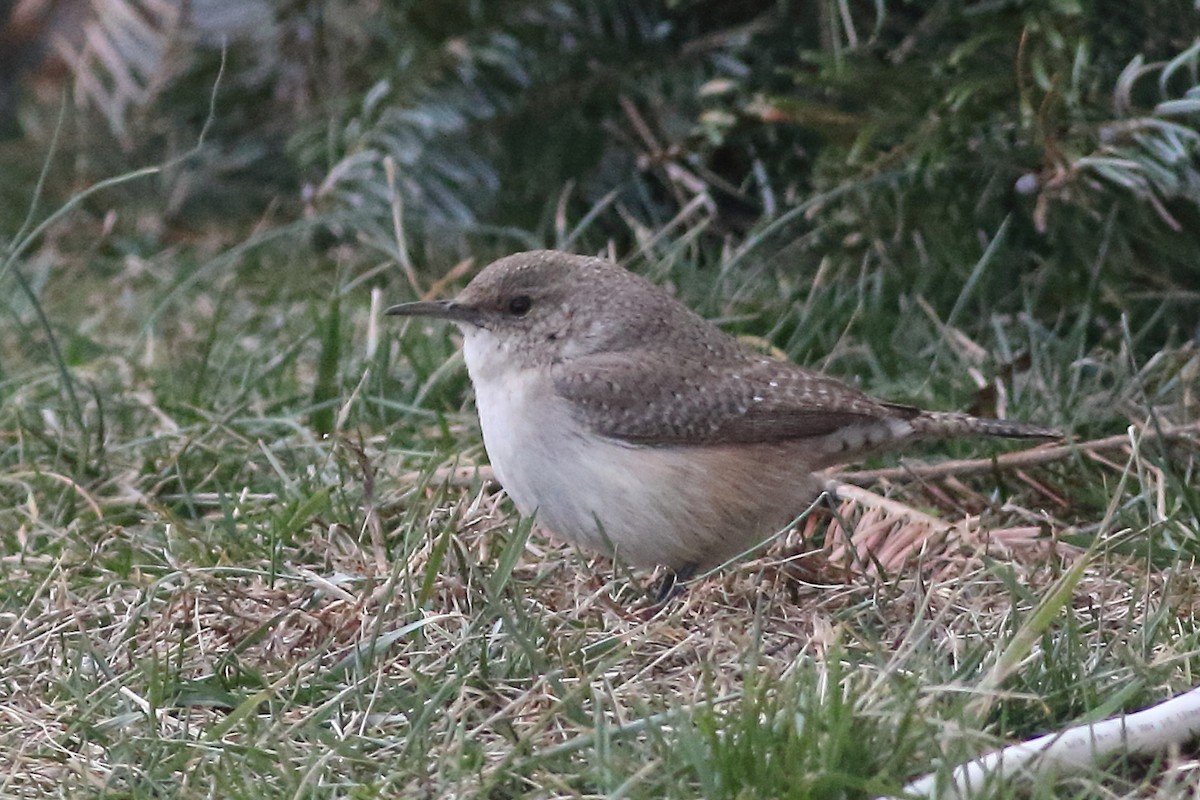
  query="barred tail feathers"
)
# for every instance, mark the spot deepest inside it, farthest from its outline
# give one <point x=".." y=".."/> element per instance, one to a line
<point x="948" y="424"/>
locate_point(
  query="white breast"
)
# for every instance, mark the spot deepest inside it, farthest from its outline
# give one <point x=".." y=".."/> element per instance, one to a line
<point x="678" y="506"/>
<point x="637" y="503"/>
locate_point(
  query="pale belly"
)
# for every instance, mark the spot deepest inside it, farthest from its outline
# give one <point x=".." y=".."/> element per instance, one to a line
<point x="678" y="506"/>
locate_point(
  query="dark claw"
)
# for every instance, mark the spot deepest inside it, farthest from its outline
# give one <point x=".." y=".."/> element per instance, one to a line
<point x="672" y="586"/>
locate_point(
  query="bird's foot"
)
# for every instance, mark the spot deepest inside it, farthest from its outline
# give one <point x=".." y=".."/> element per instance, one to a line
<point x="673" y="584"/>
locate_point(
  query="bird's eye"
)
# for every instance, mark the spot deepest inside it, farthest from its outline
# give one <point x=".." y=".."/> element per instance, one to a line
<point x="520" y="305"/>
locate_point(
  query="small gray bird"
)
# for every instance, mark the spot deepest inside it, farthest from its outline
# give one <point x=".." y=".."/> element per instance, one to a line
<point x="630" y="425"/>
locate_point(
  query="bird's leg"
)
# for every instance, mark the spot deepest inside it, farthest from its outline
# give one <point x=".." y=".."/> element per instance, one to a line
<point x="671" y="584"/>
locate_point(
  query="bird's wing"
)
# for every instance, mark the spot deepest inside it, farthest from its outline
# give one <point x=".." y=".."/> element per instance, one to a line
<point x="738" y="402"/>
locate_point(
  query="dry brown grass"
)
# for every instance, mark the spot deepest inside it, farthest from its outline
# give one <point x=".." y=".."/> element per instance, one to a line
<point x="331" y="639"/>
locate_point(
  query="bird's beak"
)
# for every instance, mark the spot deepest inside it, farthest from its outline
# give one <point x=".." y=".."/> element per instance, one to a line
<point x="437" y="309"/>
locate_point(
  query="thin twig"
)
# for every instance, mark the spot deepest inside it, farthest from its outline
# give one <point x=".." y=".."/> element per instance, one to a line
<point x="1043" y="454"/>
<point x="893" y="508"/>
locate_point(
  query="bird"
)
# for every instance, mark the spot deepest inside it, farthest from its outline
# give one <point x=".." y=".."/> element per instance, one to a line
<point x="627" y="424"/>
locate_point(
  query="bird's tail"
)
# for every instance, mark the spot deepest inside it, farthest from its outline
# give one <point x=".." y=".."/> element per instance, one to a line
<point x="948" y="424"/>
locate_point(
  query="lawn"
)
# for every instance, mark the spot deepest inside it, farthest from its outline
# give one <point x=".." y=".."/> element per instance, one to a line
<point x="250" y="546"/>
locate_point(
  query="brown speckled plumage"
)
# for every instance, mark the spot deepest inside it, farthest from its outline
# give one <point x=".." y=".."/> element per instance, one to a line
<point x="597" y="390"/>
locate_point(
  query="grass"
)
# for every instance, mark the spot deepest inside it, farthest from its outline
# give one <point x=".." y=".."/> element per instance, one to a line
<point x="230" y="566"/>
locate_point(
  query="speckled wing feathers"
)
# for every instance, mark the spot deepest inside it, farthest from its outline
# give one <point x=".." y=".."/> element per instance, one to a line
<point x="745" y="401"/>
